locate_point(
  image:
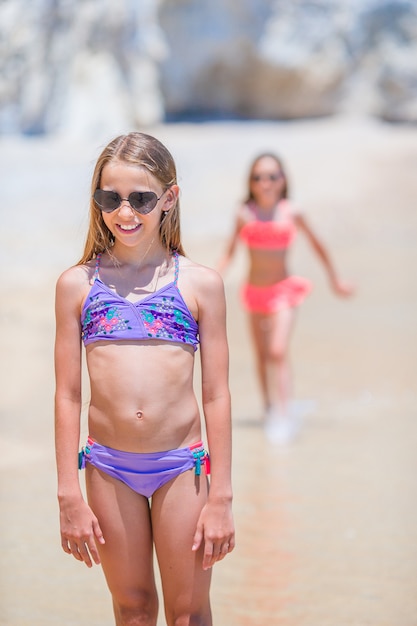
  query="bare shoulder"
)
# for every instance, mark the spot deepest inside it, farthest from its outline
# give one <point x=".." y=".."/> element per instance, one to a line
<point x="201" y="287"/>
<point x="200" y="277"/>
<point x="291" y="207"/>
<point x="244" y="214"/>
<point x="75" y="281"/>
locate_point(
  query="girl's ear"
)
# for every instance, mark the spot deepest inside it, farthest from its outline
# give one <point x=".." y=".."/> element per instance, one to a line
<point x="171" y="197"/>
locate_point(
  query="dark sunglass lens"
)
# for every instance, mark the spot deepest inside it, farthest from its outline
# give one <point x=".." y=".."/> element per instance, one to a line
<point x="143" y="201"/>
<point x="107" y="200"/>
<point x="256" y="178"/>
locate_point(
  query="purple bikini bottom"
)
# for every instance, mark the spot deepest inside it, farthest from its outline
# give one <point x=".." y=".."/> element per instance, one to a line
<point x="144" y="472"/>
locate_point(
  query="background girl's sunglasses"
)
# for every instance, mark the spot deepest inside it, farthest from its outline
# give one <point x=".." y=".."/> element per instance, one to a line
<point x="141" y="201"/>
<point x="272" y="177"/>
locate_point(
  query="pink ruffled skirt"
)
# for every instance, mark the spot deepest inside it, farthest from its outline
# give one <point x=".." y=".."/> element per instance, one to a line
<point x="286" y="293"/>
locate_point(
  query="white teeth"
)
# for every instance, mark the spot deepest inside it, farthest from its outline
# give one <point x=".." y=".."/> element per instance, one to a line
<point x="128" y="226"/>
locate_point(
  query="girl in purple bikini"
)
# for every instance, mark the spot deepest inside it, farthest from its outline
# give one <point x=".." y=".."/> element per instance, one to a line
<point x="142" y="308"/>
<point x="267" y="223"/>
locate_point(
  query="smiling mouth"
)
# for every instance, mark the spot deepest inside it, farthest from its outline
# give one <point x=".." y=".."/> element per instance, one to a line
<point x="128" y="228"/>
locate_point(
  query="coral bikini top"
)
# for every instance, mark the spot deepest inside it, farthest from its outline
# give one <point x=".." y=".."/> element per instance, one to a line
<point x="276" y="234"/>
<point x="161" y="315"/>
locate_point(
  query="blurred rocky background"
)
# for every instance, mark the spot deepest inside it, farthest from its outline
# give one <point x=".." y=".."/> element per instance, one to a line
<point x="76" y="67"/>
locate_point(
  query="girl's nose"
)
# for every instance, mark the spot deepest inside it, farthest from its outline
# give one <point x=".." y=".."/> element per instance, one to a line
<point x="125" y="208"/>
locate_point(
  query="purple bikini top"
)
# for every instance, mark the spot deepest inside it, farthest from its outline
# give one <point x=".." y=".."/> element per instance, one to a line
<point x="107" y="316"/>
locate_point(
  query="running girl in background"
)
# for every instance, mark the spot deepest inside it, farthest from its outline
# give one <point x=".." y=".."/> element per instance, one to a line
<point x="267" y="223"/>
<point x="141" y="308"/>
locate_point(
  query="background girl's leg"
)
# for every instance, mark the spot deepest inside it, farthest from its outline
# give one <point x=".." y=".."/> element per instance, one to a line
<point x="258" y="326"/>
<point x="127" y="555"/>
<point x="282" y="324"/>
<point x="175" y="511"/>
<point x="280" y="426"/>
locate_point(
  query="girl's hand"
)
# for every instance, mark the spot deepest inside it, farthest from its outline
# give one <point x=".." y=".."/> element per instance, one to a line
<point x="342" y="289"/>
<point x="79" y="531"/>
<point x="215" y="527"/>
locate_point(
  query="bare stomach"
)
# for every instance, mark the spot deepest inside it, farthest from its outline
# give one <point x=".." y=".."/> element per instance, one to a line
<point x="267" y="267"/>
<point x="142" y="396"/>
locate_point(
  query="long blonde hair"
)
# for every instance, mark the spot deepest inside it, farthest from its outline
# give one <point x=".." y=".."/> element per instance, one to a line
<point x="140" y="150"/>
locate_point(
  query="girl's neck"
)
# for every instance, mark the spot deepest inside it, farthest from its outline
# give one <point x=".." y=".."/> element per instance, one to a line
<point x="267" y="205"/>
<point x="151" y="253"/>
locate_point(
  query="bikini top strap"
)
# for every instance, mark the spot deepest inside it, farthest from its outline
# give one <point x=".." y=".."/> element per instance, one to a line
<point x="177" y="267"/>
<point x="97" y="268"/>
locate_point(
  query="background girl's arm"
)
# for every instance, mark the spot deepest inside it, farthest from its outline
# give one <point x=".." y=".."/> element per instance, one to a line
<point x="340" y="287"/>
<point x="231" y="244"/>
<point x="215" y="525"/>
<point x="78" y="524"/>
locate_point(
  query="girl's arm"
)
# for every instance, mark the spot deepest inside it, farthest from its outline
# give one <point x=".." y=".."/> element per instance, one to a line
<point x="232" y="243"/>
<point x="215" y="526"/>
<point x="78" y="524"/>
<point x="340" y="287"/>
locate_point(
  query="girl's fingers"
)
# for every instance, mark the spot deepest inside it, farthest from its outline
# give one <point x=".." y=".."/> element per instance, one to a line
<point x="83" y="551"/>
<point x="74" y="551"/>
<point x="65" y="546"/>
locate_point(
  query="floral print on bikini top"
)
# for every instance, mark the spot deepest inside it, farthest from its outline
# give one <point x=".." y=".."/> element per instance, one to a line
<point x="107" y="316"/>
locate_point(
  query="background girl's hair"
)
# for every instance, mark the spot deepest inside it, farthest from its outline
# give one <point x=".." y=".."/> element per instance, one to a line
<point x="280" y="164"/>
<point x="140" y="150"/>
